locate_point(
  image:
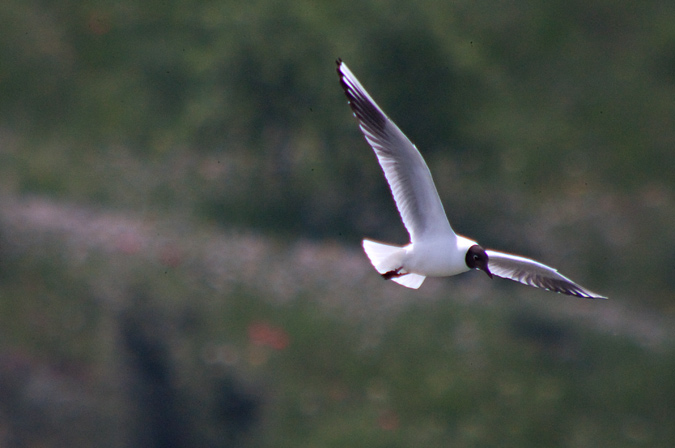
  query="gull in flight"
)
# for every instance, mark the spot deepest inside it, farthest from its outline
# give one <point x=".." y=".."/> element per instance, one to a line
<point x="435" y="250"/>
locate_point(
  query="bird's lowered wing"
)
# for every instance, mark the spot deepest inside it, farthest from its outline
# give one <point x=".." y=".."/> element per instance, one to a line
<point x="533" y="273"/>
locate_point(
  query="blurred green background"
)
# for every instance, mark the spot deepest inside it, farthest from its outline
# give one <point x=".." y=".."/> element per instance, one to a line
<point x="183" y="191"/>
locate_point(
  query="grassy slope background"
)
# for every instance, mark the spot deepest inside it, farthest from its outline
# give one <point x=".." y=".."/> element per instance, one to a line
<point x="184" y="190"/>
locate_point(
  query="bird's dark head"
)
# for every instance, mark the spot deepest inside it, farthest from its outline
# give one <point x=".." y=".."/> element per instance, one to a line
<point x="476" y="258"/>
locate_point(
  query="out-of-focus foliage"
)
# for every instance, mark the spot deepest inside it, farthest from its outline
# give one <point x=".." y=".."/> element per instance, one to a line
<point x="230" y="111"/>
<point x="548" y="126"/>
<point x="522" y="90"/>
<point x="159" y="337"/>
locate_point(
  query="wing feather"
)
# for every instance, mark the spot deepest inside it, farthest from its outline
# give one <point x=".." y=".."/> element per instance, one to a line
<point x="533" y="273"/>
<point x="404" y="168"/>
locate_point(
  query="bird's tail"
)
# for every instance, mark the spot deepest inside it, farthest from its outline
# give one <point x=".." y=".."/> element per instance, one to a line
<point x="387" y="260"/>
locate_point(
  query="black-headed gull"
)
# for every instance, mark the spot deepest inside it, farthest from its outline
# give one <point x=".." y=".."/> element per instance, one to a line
<point x="435" y="250"/>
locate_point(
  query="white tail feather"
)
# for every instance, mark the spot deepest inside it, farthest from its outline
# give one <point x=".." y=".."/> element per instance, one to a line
<point x="383" y="257"/>
<point x="413" y="281"/>
<point x="386" y="258"/>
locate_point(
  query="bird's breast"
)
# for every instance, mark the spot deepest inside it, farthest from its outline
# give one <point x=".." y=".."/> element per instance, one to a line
<point x="436" y="258"/>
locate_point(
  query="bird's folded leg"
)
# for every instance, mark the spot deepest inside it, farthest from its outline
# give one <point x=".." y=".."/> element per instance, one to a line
<point x="392" y="274"/>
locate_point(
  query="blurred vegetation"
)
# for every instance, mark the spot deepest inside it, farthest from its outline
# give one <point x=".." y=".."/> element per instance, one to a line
<point x="553" y="117"/>
<point x="121" y="351"/>
<point x="195" y="108"/>
<point x="525" y="92"/>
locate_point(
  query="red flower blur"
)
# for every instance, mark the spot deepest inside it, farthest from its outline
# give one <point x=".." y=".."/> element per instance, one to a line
<point x="264" y="334"/>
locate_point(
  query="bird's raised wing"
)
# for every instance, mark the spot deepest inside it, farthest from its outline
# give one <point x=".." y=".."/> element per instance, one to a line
<point x="404" y="168"/>
<point x="533" y="273"/>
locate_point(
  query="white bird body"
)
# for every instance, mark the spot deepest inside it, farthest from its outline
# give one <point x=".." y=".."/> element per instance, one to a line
<point x="435" y="250"/>
<point x="441" y="257"/>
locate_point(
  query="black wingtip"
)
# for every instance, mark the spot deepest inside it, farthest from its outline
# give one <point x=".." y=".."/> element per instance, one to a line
<point x="598" y="297"/>
<point x="338" y="61"/>
<point x="368" y="114"/>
